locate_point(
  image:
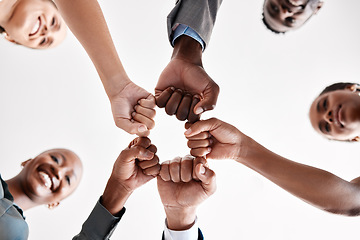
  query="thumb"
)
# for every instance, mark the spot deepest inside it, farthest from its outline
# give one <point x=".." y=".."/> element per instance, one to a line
<point x="209" y="100"/>
<point x="202" y="126"/>
<point x="131" y="127"/>
<point x="207" y="178"/>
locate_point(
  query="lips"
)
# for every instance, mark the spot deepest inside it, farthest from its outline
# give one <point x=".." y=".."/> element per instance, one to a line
<point x="36" y="27"/>
<point x="49" y="180"/>
<point x="337" y="117"/>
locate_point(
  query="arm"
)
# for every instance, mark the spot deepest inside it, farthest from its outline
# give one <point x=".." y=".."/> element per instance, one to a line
<point x="315" y="186"/>
<point x="183" y="184"/>
<point x="135" y="166"/>
<point x="86" y="21"/>
<point x="185" y="70"/>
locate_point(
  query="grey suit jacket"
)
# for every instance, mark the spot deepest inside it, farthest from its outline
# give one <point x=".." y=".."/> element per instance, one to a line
<point x="200" y="15"/>
<point x="12" y="223"/>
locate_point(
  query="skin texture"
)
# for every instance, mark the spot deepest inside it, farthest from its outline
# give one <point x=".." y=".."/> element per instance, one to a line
<point x="286" y="15"/>
<point x="33" y="23"/>
<point x="183" y="184"/>
<point x="336" y="115"/>
<point x="30" y="188"/>
<point x="184" y="80"/>
<point x="122" y="92"/>
<point x="135" y="166"/>
<point x="317" y="187"/>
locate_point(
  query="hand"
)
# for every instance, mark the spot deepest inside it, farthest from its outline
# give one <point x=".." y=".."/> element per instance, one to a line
<point x="133" y="110"/>
<point x="215" y="139"/>
<point x="135" y="166"/>
<point x="185" y="72"/>
<point x="183" y="184"/>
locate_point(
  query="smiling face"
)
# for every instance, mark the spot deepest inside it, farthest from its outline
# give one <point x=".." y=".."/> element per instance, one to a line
<point x="35" y="24"/>
<point x="284" y="15"/>
<point x="336" y="114"/>
<point x="51" y="176"/>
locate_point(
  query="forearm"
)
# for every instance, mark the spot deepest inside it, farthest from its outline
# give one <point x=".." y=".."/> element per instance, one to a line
<point x="114" y="196"/>
<point x="187" y="49"/>
<point x="85" y="19"/>
<point x="179" y="219"/>
<point x="315" y="186"/>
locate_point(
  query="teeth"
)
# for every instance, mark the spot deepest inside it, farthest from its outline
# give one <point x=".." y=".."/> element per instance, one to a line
<point x="36" y="27"/>
<point x="46" y="179"/>
<point x="293" y="2"/>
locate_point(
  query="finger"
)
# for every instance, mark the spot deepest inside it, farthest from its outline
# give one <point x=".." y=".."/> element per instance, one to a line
<point x="174" y="102"/>
<point x="147" y="112"/>
<point x="200" y="152"/>
<point x="199" y="143"/>
<point x="207" y="178"/>
<point x="132" y="127"/>
<point x="149" y="123"/>
<point x="148" y="102"/>
<point x="188" y="125"/>
<point x="186" y="170"/>
<point x="184" y="108"/>
<point x="152" y="148"/>
<point x="202" y="126"/>
<point x="209" y="101"/>
<point x="165" y="172"/>
<point x="136" y="152"/>
<point x="140" y="141"/>
<point x="163" y="97"/>
<point x="198" y="160"/>
<point x="152" y="171"/>
<point x="144" y="164"/>
<point x="192" y="116"/>
<point x="174" y="169"/>
<point x="200" y="136"/>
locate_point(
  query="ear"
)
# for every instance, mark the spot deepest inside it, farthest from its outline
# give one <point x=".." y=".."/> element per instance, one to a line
<point x="320" y="4"/>
<point x="353" y="87"/>
<point x="25" y="162"/>
<point x="356" y="139"/>
<point x="7" y="37"/>
<point x="53" y="205"/>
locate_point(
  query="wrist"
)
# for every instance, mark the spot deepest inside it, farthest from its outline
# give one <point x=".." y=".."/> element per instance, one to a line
<point x="115" y="84"/>
<point x="179" y="219"/>
<point x="114" y="196"/>
<point x="187" y="49"/>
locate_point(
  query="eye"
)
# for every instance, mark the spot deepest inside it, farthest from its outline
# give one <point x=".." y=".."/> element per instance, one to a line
<point x="67" y="179"/>
<point x="290" y="20"/>
<point x="53" y="21"/>
<point x="327" y="127"/>
<point x="325" y="104"/>
<point x="274" y="7"/>
<point x="42" y="42"/>
<point x="55" y="159"/>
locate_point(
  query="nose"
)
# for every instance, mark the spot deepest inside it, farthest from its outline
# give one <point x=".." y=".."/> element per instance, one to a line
<point x="328" y="117"/>
<point x="285" y="11"/>
<point x="58" y="172"/>
<point x="44" y="30"/>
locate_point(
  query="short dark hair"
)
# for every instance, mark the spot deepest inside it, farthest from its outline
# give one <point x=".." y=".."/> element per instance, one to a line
<point x="2" y="29"/>
<point x="338" y="86"/>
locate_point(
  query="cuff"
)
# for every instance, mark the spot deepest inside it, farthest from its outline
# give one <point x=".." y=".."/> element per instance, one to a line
<point x="190" y="234"/>
<point x="101" y="223"/>
<point x="182" y="29"/>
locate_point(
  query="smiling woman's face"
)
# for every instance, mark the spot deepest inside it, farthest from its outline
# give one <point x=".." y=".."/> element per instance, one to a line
<point x="51" y="176"/>
<point x="35" y="24"/>
<point x="336" y="114"/>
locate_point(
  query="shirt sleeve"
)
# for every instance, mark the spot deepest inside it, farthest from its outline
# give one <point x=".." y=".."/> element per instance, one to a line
<point x="190" y="234"/>
<point x="182" y="29"/>
<point x="100" y="224"/>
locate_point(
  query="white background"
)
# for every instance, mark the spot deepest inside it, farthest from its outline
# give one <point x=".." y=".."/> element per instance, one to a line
<point x="54" y="98"/>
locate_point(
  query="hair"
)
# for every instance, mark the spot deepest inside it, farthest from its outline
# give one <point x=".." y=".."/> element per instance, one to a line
<point x="338" y="86"/>
<point x="2" y="29"/>
<point x="268" y="26"/>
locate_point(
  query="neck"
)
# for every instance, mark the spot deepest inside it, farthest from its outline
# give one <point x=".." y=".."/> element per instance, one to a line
<point x="6" y="10"/>
<point x="20" y="198"/>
